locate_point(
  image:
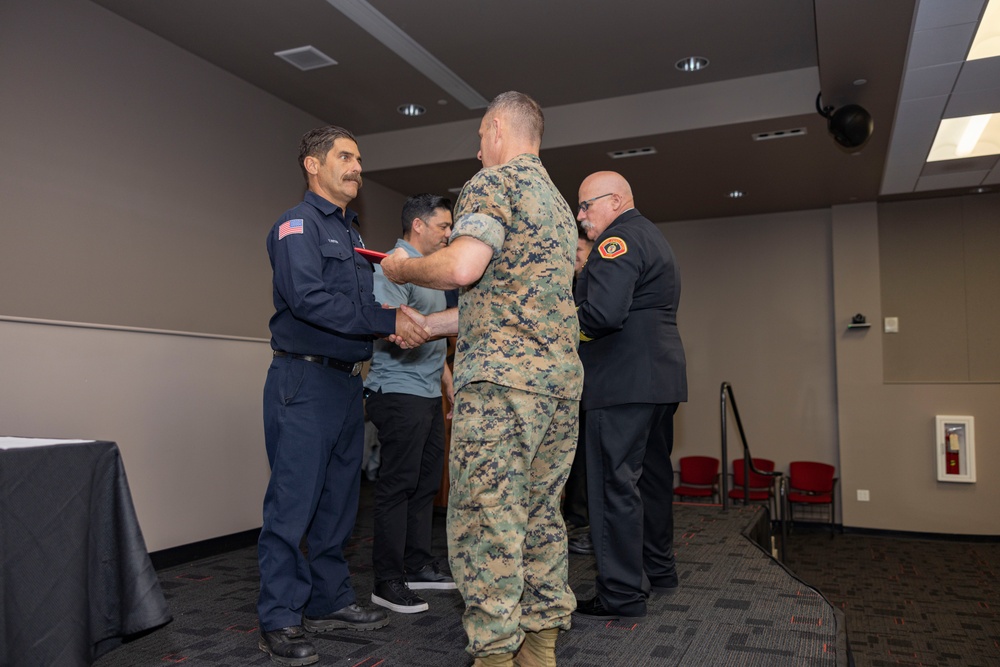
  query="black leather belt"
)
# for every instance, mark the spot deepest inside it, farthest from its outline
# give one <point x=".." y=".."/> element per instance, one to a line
<point x="347" y="367"/>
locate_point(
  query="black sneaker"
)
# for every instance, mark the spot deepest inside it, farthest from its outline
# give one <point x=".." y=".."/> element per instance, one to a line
<point x="395" y="595"/>
<point x="430" y="576"/>
<point x="288" y="646"/>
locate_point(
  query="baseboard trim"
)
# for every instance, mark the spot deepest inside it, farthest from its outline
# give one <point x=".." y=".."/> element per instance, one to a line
<point x="911" y="535"/>
<point x="204" y="549"/>
<point x="226" y="543"/>
<point x="817" y="527"/>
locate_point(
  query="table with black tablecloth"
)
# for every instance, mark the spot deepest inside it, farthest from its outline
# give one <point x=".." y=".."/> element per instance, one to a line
<point x="75" y="577"/>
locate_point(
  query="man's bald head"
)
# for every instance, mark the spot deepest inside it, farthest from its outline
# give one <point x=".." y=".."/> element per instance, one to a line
<point x="603" y="196"/>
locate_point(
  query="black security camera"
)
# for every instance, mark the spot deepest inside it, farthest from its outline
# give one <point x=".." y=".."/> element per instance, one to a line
<point x="850" y="125"/>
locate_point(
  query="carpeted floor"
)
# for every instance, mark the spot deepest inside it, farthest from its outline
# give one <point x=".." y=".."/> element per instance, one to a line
<point x="736" y="606"/>
<point x="907" y="601"/>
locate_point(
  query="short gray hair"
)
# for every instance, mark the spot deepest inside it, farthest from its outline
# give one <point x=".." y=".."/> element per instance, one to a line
<point x="524" y="113"/>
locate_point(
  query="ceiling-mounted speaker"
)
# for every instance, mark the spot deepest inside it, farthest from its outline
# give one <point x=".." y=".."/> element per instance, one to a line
<point x="850" y="125"/>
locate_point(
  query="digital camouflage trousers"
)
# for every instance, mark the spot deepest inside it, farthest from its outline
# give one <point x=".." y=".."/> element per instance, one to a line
<point x="511" y="452"/>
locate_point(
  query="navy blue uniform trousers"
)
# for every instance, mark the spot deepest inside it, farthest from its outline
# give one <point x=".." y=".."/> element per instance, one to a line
<point x="630" y="486"/>
<point x="314" y="434"/>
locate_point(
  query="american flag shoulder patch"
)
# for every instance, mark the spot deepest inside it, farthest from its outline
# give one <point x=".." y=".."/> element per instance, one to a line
<point x="289" y="227"/>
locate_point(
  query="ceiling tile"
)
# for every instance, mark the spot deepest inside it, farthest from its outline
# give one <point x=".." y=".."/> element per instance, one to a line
<point x="973" y="103"/>
<point x="965" y="179"/>
<point x="912" y="135"/>
<point x="930" y="81"/>
<point x="940" y="45"/>
<point x="979" y="75"/>
<point x="942" y="13"/>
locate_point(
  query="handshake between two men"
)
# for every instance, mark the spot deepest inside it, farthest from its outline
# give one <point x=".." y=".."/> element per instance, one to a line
<point x="412" y="327"/>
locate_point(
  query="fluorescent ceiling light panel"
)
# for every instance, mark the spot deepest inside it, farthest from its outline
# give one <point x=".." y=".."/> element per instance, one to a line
<point x="974" y="128"/>
<point x="987" y="41"/>
<point x="387" y="32"/>
<point x="969" y="136"/>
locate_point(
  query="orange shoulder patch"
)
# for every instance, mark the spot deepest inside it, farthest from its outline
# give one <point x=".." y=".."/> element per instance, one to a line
<point x="612" y="247"/>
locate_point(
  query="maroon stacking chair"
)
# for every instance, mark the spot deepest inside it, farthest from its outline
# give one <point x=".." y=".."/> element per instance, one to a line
<point x="761" y="487"/>
<point x="699" y="478"/>
<point x="811" y="483"/>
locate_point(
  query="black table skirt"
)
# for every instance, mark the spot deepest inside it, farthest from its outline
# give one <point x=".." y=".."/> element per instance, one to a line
<point x="76" y="577"/>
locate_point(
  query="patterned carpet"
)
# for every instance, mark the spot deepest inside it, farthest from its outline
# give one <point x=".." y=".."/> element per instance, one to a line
<point x="907" y="601"/>
<point x="736" y="606"/>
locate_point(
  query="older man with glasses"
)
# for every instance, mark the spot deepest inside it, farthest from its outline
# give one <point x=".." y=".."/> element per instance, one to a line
<point x="634" y="377"/>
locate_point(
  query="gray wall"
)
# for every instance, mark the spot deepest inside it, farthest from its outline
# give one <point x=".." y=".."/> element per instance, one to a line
<point x="765" y="306"/>
<point x="144" y="207"/>
<point x="131" y="212"/>
<point x="887" y="431"/>
<point x="139" y="182"/>
<point x="940" y="279"/>
<point x="756" y="312"/>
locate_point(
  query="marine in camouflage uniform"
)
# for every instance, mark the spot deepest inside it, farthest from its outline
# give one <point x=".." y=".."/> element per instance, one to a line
<point x="518" y="379"/>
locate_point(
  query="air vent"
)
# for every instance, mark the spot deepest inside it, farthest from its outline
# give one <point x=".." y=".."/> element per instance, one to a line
<point x="632" y="152"/>
<point x="779" y="134"/>
<point x="306" y="58"/>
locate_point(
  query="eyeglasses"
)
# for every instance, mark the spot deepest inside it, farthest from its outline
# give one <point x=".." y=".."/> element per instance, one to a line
<point x="585" y="204"/>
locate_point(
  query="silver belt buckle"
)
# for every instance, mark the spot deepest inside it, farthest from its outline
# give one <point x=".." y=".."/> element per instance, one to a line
<point x="357" y="368"/>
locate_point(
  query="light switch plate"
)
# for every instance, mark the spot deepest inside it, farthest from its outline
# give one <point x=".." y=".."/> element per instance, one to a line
<point x="892" y="325"/>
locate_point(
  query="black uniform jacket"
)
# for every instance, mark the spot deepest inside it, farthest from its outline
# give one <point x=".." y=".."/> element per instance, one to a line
<point x="627" y="297"/>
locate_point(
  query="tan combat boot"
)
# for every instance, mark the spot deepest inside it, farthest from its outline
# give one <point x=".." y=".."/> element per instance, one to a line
<point x="538" y="649"/>
<point x="495" y="660"/>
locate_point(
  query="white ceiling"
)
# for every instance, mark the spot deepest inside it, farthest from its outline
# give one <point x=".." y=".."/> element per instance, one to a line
<point x="937" y="84"/>
<point x="604" y="74"/>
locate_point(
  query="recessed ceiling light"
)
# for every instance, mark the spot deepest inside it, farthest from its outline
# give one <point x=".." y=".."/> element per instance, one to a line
<point x="691" y="64"/>
<point x="736" y="194"/>
<point x="411" y="110"/>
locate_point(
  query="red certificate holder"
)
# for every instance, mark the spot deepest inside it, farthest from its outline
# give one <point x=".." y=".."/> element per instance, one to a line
<point x="372" y="256"/>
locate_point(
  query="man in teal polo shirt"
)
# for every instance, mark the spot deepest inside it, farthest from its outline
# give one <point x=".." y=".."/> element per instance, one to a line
<point x="404" y="404"/>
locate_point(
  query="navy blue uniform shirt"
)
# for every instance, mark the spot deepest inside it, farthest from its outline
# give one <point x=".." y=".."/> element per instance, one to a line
<point x="627" y="297"/>
<point x="323" y="290"/>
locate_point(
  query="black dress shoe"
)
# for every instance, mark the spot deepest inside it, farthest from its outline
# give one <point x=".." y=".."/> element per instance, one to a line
<point x="594" y="608"/>
<point x="665" y="590"/>
<point x="351" y="617"/>
<point x="665" y="585"/>
<point x="288" y="646"/>
<point x="581" y="544"/>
